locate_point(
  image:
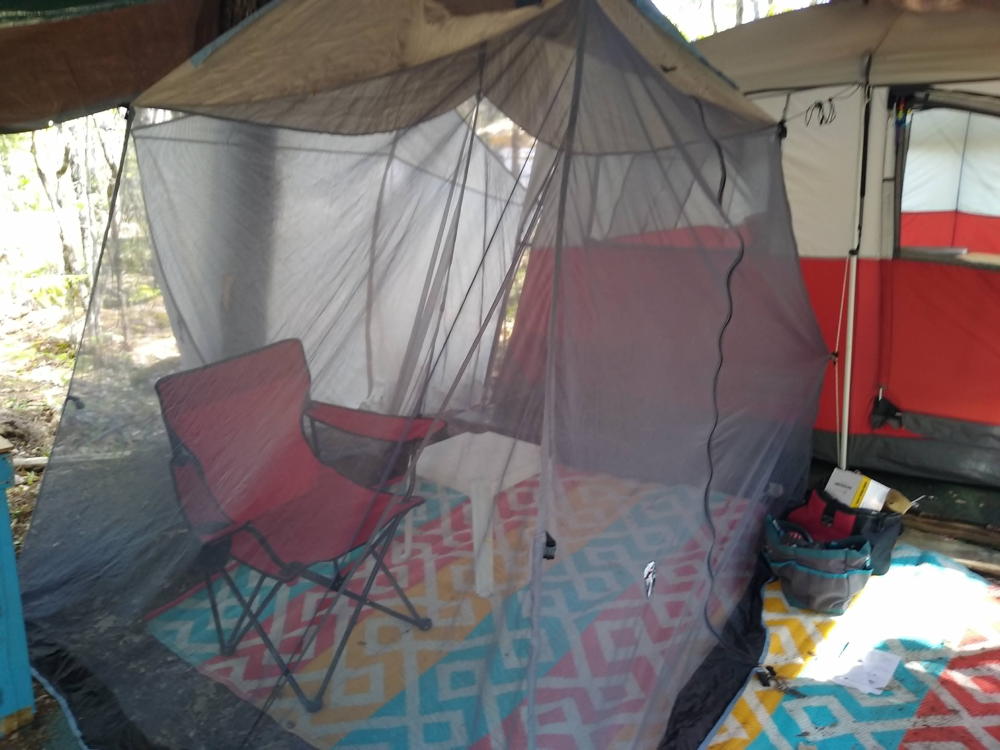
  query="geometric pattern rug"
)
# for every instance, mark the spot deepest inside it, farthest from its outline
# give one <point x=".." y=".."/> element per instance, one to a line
<point x="598" y="642"/>
<point x="941" y="620"/>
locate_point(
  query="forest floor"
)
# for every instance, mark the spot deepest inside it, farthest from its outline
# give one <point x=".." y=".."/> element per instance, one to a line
<point x="36" y="361"/>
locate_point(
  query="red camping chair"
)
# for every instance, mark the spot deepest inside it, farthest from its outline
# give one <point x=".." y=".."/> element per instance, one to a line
<point x="253" y="490"/>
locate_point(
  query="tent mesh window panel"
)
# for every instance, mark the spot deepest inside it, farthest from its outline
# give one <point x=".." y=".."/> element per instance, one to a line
<point x="439" y="409"/>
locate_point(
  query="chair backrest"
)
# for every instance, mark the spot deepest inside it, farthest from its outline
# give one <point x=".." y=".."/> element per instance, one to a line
<point x="241" y="419"/>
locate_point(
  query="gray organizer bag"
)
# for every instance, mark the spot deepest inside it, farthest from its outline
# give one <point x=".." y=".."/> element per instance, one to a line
<point x="818" y="576"/>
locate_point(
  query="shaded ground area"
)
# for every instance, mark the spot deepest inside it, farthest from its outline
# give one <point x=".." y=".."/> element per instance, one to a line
<point x="36" y="359"/>
<point x="48" y="731"/>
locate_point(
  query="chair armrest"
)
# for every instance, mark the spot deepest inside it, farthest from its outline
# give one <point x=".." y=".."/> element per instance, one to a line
<point x="372" y="424"/>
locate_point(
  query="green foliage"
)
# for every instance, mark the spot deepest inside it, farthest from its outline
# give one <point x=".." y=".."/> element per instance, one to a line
<point x="133" y="252"/>
<point x="17" y="402"/>
<point x="143" y="293"/>
<point x="8" y="144"/>
<point x="63" y="290"/>
<point x="59" y="349"/>
<point x="47" y="269"/>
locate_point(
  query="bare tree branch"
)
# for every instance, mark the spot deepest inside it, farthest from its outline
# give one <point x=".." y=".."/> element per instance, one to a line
<point x="55" y="203"/>
<point x="69" y="266"/>
<point x="65" y="165"/>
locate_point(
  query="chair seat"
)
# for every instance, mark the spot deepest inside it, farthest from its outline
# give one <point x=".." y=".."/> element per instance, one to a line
<point x="324" y="523"/>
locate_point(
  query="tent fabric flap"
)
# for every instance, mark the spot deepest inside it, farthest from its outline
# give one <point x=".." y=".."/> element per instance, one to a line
<point x="830" y="45"/>
<point x="73" y="65"/>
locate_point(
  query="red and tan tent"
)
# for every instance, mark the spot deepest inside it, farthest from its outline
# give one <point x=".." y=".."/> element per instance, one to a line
<point x="891" y="164"/>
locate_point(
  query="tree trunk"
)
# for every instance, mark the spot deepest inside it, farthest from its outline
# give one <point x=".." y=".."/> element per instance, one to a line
<point x="113" y="249"/>
<point x="78" y="179"/>
<point x="91" y="182"/>
<point x="711" y="8"/>
<point x="739" y="12"/>
<point x="51" y="190"/>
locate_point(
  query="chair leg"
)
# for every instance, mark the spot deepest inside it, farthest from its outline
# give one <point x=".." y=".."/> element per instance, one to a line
<point x="227" y="644"/>
<point x="377" y="550"/>
<point x="219" y="632"/>
<point x="250" y="616"/>
<point x="424" y="623"/>
<point x="240" y="629"/>
<point x="310" y="705"/>
<point x="238" y="635"/>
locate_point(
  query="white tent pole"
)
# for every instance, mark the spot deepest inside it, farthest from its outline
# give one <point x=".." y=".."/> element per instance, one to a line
<point x="845" y="406"/>
<point x="852" y="275"/>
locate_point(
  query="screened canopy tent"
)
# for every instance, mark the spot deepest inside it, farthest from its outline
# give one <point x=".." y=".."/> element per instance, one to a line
<point x="439" y="373"/>
<point x="892" y="151"/>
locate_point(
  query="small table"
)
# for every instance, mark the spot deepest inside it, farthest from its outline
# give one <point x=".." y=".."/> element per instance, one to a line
<point x="480" y="465"/>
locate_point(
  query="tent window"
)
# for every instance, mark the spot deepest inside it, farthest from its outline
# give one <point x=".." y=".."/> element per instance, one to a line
<point x="950" y="202"/>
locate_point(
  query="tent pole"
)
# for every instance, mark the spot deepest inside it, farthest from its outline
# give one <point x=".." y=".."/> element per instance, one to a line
<point x="845" y="405"/>
<point x="852" y="275"/>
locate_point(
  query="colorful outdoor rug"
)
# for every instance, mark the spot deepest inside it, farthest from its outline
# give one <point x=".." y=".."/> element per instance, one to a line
<point x="940" y="619"/>
<point x="599" y="641"/>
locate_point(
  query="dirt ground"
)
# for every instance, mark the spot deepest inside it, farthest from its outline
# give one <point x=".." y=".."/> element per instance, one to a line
<point x="36" y="360"/>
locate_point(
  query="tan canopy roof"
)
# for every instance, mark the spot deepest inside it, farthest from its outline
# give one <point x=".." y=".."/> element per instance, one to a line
<point x="830" y="44"/>
<point x="299" y="49"/>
